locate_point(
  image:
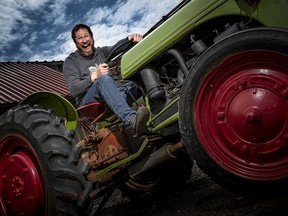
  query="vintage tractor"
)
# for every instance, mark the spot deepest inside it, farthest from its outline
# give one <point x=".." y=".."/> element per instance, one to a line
<point x="215" y="79"/>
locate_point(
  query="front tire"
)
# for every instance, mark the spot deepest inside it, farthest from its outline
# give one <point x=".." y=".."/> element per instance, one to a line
<point x="233" y="110"/>
<point x="40" y="165"/>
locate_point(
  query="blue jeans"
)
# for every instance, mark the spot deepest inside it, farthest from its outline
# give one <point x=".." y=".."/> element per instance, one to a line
<point x="106" y="90"/>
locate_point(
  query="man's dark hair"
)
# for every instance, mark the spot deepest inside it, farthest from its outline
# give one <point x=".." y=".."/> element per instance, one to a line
<point x="77" y="27"/>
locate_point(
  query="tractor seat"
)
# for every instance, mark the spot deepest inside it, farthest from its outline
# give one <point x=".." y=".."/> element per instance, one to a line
<point x="95" y="111"/>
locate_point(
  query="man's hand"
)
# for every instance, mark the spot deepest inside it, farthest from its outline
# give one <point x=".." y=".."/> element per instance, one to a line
<point x="102" y="69"/>
<point x="135" y="37"/>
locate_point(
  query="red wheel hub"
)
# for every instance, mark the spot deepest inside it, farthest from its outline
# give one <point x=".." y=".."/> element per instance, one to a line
<point x="242" y="115"/>
<point x="22" y="189"/>
<point x="256" y="116"/>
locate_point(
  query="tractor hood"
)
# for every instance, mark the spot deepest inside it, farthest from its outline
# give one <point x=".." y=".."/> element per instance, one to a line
<point x="169" y="32"/>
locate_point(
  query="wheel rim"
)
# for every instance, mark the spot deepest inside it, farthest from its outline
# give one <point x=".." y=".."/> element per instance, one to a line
<point x="241" y="115"/>
<point x="21" y="179"/>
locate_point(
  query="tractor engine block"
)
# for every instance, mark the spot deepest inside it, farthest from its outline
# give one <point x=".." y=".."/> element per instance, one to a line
<point x="103" y="147"/>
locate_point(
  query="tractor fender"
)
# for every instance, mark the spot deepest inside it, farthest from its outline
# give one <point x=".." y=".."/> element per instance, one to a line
<point x="61" y="106"/>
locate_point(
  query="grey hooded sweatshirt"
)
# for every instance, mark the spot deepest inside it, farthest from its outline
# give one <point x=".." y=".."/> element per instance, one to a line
<point x="77" y="68"/>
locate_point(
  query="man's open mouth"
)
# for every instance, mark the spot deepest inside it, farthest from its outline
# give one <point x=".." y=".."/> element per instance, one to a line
<point x="86" y="46"/>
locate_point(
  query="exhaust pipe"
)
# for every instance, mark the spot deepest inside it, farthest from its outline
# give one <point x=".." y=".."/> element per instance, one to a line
<point x="156" y="159"/>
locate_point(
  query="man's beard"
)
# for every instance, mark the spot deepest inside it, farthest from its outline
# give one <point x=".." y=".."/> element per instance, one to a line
<point x="84" y="53"/>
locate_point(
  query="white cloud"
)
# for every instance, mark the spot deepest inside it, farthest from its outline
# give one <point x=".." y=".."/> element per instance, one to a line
<point x="97" y="15"/>
<point x="25" y="49"/>
<point x="58" y="51"/>
<point x="127" y="17"/>
<point x="13" y="18"/>
<point x="57" y="12"/>
<point x="29" y="4"/>
<point x="9" y="17"/>
<point x="33" y="37"/>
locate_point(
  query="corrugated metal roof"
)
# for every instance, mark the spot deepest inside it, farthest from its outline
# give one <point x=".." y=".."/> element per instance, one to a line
<point x="19" y="79"/>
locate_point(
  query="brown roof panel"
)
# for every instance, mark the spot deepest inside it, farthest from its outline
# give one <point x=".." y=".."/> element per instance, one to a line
<point x="19" y="79"/>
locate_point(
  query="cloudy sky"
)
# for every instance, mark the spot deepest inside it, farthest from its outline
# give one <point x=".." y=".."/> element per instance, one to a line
<point x="38" y="30"/>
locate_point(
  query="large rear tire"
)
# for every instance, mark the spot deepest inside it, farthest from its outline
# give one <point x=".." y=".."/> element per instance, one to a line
<point x="234" y="110"/>
<point x="41" y="170"/>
